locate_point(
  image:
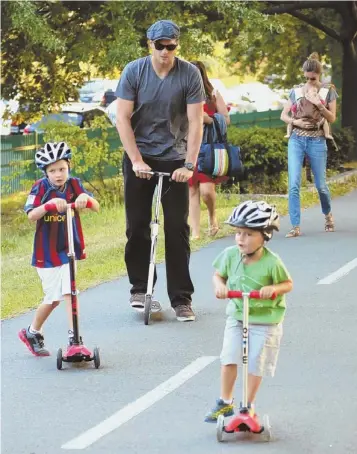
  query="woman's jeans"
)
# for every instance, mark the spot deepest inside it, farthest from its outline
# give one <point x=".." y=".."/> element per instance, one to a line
<point x="316" y="150"/>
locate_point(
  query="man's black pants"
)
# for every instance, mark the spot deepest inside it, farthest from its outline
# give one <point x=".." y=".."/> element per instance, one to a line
<point x="138" y="195"/>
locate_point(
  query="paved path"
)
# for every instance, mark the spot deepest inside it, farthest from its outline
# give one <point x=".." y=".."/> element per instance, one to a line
<point x="172" y="369"/>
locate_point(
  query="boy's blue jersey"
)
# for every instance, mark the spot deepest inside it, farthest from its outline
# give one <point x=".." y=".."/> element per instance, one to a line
<point x="50" y="243"/>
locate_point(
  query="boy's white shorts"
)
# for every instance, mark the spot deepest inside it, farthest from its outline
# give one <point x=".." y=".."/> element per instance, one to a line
<point x="56" y="283"/>
<point x="263" y="346"/>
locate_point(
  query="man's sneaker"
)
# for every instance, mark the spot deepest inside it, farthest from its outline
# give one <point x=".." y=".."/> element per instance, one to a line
<point x="34" y="342"/>
<point x="184" y="313"/>
<point x="137" y="302"/>
<point x="221" y="408"/>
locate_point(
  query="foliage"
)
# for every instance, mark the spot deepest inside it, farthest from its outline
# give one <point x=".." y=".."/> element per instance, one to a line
<point x="58" y="43"/>
<point x="92" y="160"/>
<point x="264" y="155"/>
<point x="345" y="149"/>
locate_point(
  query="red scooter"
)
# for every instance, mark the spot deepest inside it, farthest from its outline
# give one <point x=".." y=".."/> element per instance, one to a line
<point x="76" y="352"/>
<point x="244" y="422"/>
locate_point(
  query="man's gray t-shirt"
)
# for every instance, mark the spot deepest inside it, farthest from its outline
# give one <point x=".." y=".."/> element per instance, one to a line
<point x="159" y="118"/>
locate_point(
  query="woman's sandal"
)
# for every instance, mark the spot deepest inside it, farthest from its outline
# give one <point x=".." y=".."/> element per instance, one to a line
<point x="329" y="223"/>
<point x="212" y="231"/>
<point x="295" y="231"/>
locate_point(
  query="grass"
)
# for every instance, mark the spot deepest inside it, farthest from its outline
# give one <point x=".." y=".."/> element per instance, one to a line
<point x="105" y="241"/>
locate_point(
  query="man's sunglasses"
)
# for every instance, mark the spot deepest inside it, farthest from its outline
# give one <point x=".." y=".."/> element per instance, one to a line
<point x="169" y="47"/>
<point x="310" y="78"/>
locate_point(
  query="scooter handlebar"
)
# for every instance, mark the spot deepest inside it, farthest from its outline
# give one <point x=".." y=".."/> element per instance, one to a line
<point x="158" y="174"/>
<point x="255" y="294"/>
<point x="50" y="206"/>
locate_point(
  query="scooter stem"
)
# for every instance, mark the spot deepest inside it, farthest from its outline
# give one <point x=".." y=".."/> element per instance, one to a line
<point x="245" y="349"/>
<point x="154" y="235"/>
<point x="71" y="256"/>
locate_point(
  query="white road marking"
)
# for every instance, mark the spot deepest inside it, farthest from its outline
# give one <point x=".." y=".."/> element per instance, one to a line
<point x="138" y="406"/>
<point x="338" y="274"/>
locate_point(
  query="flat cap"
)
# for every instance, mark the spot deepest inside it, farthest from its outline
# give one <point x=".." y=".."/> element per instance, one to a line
<point x="163" y="29"/>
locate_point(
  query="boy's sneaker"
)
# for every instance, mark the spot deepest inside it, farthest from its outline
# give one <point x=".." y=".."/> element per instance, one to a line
<point x="221" y="408"/>
<point x="137" y="302"/>
<point x="34" y="342"/>
<point x="184" y="313"/>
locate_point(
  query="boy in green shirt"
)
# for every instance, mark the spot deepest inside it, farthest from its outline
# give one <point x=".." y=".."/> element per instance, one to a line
<point x="248" y="266"/>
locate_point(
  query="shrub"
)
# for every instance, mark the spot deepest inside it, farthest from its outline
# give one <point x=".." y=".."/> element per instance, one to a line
<point x="345" y="150"/>
<point x="92" y="160"/>
<point x="264" y="155"/>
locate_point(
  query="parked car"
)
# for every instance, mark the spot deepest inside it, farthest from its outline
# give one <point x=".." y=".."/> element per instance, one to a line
<point x="108" y="98"/>
<point x="77" y="114"/>
<point x="94" y="90"/>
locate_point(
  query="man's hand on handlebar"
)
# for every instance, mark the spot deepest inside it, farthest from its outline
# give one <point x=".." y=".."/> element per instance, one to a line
<point x="140" y="168"/>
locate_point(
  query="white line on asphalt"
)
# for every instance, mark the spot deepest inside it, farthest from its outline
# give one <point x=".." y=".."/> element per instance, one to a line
<point x="133" y="409"/>
<point x="338" y="274"/>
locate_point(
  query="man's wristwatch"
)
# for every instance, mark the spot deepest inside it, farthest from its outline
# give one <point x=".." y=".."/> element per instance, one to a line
<point x="189" y="166"/>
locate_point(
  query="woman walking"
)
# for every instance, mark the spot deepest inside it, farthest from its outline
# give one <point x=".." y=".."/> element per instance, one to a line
<point x="309" y="106"/>
<point x="201" y="185"/>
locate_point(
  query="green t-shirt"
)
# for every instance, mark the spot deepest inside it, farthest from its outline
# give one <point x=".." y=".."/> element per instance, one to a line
<point x="269" y="270"/>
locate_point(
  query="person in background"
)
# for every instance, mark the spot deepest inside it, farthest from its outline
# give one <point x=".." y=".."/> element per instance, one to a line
<point x="201" y="185"/>
<point x="308" y="139"/>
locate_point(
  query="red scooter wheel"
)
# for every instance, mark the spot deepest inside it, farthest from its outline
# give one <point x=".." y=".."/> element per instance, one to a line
<point x="220" y="428"/>
<point x="96" y="357"/>
<point x="59" y="359"/>
<point x="267" y="433"/>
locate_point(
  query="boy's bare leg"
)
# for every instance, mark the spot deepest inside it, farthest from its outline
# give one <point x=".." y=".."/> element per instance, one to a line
<point x="42" y="314"/>
<point x="253" y="386"/>
<point x="228" y="379"/>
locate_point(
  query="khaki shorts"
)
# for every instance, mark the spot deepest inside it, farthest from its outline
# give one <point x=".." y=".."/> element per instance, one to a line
<point x="263" y="346"/>
<point x="55" y="283"/>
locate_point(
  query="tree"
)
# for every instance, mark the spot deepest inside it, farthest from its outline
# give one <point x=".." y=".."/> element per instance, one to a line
<point x="343" y="31"/>
<point x="48" y="47"/>
<point x="57" y="42"/>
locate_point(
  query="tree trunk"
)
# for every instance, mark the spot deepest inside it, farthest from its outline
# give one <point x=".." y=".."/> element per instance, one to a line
<point x="349" y="91"/>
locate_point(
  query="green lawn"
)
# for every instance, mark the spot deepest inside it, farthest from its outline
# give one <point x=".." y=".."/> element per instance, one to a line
<point x="105" y="241"/>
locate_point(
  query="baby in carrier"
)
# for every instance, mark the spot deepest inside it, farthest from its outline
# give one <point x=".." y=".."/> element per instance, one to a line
<point x="306" y="110"/>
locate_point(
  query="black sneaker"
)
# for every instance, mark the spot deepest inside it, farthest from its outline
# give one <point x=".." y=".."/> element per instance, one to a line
<point x="34" y="342"/>
<point x="184" y="313"/>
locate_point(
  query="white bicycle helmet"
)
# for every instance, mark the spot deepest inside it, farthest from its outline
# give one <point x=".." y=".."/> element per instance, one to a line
<point x="255" y="215"/>
<point x="52" y="152"/>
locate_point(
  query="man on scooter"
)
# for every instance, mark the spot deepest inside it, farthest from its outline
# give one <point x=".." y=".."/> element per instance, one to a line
<point x="159" y="120"/>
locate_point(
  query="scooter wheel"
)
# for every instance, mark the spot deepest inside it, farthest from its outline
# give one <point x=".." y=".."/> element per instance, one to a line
<point x="59" y="359"/>
<point x="147" y="309"/>
<point x="96" y="357"/>
<point x="220" y="428"/>
<point x="267" y="433"/>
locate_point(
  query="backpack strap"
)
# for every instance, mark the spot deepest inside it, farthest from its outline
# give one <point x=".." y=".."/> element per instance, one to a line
<point x="323" y="92"/>
<point x="299" y="93"/>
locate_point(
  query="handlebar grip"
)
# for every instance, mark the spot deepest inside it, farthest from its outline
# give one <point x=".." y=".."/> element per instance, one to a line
<point x="50" y="206"/>
<point x="89" y="204"/>
<point x="255" y="294"/>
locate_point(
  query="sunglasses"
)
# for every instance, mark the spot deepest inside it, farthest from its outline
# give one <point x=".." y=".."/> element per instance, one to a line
<point x="169" y="47"/>
<point x="310" y="78"/>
